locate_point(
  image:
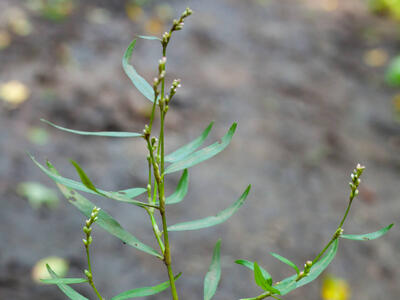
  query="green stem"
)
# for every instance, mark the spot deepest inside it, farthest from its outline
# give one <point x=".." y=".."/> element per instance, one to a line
<point x="346" y="213"/>
<point x="91" y="274"/>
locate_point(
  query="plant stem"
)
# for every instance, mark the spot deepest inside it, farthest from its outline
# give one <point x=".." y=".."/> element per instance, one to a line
<point x="90" y="278"/>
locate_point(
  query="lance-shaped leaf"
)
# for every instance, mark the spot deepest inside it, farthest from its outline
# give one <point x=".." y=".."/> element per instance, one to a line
<point x="64" y="280"/>
<point x="181" y="189"/>
<point x="132" y="193"/>
<point x="189" y="148"/>
<point x="67" y="290"/>
<point x="144" y="291"/>
<point x="250" y="265"/>
<point x="367" y="236"/>
<point x="96" y="133"/>
<point x="213" y="275"/>
<point x="149" y="37"/>
<point x="262" y="281"/>
<point x="202" y="154"/>
<point x="84" y="178"/>
<point x="286" y="261"/>
<point x="213" y="220"/>
<point x="138" y="81"/>
<point x="105" y="221"/>
<point x="289" y="284"/>
<point x="118" y="196"/>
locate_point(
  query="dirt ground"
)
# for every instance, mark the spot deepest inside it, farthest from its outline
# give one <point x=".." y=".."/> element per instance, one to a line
<point x="291" y="73"/>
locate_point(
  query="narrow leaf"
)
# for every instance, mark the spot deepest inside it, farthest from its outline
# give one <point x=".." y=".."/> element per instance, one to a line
<point x="105" y="221"/>
<point x="367" y="236"/>
<point x="149" y="37"/>
<point x="132" y="193"/>
<point x="250" y="265"/>
<point x="81" y="187"/>
<point x="67" y="290"/>
<point x="144" y="291"/>
<point x="189" y="148"/>
<point x="181" y="189"/>
<point x="213" y="275"/>
<point x="261" y="281"/>
<point x="96" y="133"/>
<point x="84" y="178"/>
<point x="64" y="280"/>
<point x="213" y="220"/>
<point x="286" y="261"/>
<point x="202" y="154"/>
<point x="289" y="284"/>
<point x="138" y="81"/>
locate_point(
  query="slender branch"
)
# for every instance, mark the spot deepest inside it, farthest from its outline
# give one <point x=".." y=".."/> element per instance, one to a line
<point x="87" y="229"/>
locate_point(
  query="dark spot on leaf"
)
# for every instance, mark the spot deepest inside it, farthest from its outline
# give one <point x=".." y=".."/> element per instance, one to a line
<point x="122" y="193"/>
<point x="365" y="238"/>
<point x="135" y="244"/>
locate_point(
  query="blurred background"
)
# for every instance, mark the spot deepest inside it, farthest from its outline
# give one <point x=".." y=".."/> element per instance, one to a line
<point x="313" y="85"/>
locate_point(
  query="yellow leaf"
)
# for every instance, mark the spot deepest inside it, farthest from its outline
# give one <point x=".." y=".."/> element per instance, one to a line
<point x="14" y="92"/>
<point x="5" y="39"/>
<point x="376" y="57"/>
<point x="133" y="11"/>
<point x="58" y="264"/>
<point x="153" y="26"/>
<point x="334" y="288"/>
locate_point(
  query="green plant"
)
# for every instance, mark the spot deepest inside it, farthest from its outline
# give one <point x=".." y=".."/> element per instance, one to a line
<point x="159" y="166"/>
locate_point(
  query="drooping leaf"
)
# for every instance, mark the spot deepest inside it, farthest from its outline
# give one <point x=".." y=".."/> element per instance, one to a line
<point x="250" y="265"/>
<point x="202" y="154"/>
<point x="213" y="275"/>
<point x="81" y="187"/>
<point x="181" y="189"/>
<point x="64" y="280"/>
<point x="367" y="236"/>
<point x="67" y="290"/>
<point x="289" y="284"/>
<point x="138" y="81"/>
<point x="144" y="291"/>
<point x="149" y="37"/>
<point x="213" y="220"/>
<point x="189" y="148"/>
<point x="286" y="261"/>
<point x="262" y="281"/>
<point x="96" y="133"/>
<point x="105" y="221"/>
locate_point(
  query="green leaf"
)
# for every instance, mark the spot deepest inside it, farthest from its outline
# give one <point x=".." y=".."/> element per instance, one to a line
<point x="289" y="284"/>
<point x="84" y="178"/>
<point x="262" y="281"/>
<point x="367" y="236"/>
<point x="96" y="133"/>
<point x="144" y="291"/>
<point x="213" y="275"/>
<point x="392" y="75"/>
<point x="138" y="81"/>
<point x="181" y="189"/>
<point x="286" y="261"/>
<point x="67" y="290"/>
<point x="64" y="280"/>
<point x="81" y="187"/>
<point x="202" y="154"/>
<point x="189" y="148"/>
<point x="132" y="193"/>
<point x="213" y="220"/>
<point x="105" y="221"/>
<point x="149" y="37"/>
<point x="250" y="265"/>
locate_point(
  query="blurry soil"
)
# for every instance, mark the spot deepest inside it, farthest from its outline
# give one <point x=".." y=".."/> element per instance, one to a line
<point x="291" y="73"/>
